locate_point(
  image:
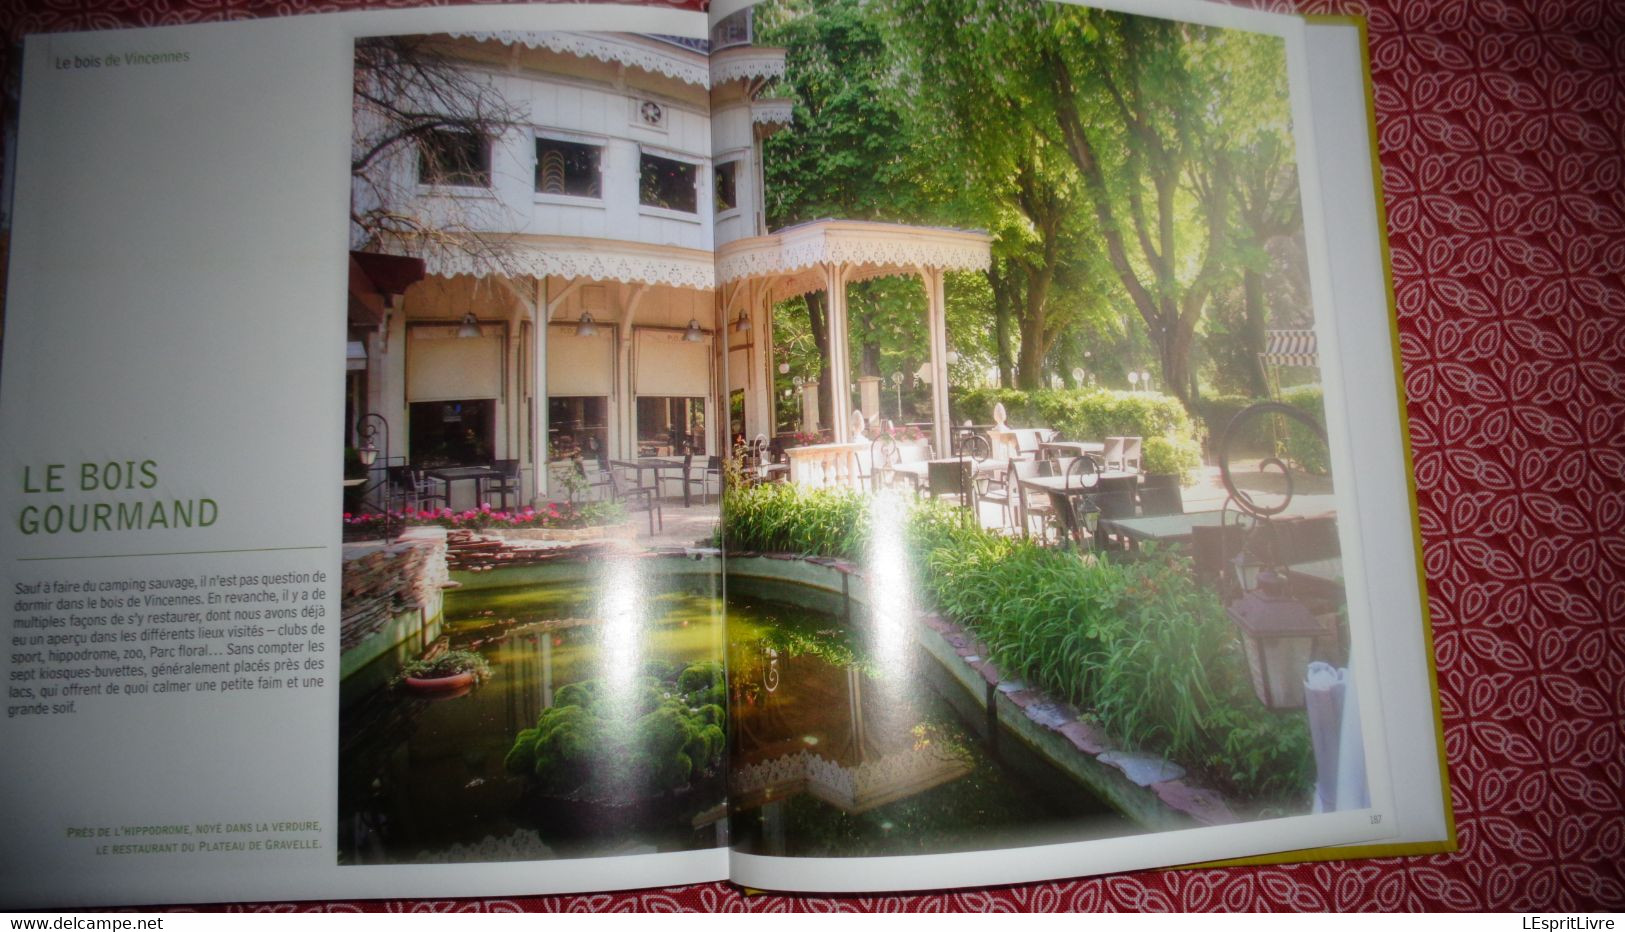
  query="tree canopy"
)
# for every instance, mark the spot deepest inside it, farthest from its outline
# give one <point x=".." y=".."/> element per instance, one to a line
<point x="1136" y="173"/>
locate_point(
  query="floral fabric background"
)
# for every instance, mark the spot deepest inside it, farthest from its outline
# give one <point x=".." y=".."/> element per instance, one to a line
<point x="1502" y="139"/>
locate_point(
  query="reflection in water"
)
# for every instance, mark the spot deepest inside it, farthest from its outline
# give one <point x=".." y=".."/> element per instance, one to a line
<point x="424" y="780"/>
<point x="847" y="742"/>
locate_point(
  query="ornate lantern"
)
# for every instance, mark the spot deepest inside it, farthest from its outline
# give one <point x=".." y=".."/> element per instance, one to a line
<point x="1278" y="634"/>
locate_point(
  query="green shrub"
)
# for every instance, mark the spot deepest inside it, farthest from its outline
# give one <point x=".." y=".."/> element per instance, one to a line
<point x="781" y="517"/>
<point x="1162" y="455"/>
<point x="1304" y="448"/>
<point x="1257" y="439"/>
<point x="602" y="742"/>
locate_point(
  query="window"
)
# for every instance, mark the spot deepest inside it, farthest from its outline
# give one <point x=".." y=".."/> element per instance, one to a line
<point x="454" y="157"/>
<point x="572" y="168"/>
<point x="452" y="433"/>
<point x="727" y="196"/>
<point x="668" y="183"/>
<point x="670" y="426"/>
<point x="578" y="425"/>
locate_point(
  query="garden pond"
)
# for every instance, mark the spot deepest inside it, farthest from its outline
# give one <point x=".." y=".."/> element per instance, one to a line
<point x="841" y="746"/>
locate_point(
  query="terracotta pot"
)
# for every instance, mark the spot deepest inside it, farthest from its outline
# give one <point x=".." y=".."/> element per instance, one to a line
<point x="439" y="683"/>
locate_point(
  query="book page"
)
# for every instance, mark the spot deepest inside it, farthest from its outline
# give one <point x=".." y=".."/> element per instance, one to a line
<point x="1050" y="550"/>
<point x="312" y="590"/>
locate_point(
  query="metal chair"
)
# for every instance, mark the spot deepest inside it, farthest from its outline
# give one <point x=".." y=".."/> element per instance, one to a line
<point x="950" y="477"/>
<point x="1160" y="495"/>
<point x="995" y="489"/>
<point x="508" y="484"/>
<point x="1110" y="505"/>
<point x="638" y="498"/>
<point x="1112" y="456"/>
<point x="1040" y="507"/>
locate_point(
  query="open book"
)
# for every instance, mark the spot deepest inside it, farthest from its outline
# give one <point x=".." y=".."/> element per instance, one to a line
<point x="823" y="445"/>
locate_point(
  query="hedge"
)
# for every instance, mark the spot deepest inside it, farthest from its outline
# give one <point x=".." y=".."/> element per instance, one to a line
<point x="1215" y="413"/>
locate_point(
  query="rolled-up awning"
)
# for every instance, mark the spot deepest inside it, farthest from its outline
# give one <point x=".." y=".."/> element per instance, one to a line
<point x="1290" y="348"/>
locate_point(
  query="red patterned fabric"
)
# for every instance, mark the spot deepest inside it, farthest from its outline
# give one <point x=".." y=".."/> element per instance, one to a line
<point x="1502" y="136"/>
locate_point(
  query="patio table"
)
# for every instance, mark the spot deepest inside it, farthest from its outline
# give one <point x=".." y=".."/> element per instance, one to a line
<point x="655" y="464"/>
<point x="475" y="474"/>
<point x="1165" y="529"/>
<point x="1066" y="485"/>
<point x="1073" y="447"/>
<point x="1322" y="577"/>
<point x="915" y="471"/>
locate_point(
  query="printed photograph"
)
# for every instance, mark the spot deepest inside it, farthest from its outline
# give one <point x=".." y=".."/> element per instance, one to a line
<point x="534" y="440"/>
<point x="1033" y="536"/>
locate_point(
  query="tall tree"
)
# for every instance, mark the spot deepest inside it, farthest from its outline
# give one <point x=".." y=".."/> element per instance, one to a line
<point x="845" y="154"/>
<point x="988" y="146"/>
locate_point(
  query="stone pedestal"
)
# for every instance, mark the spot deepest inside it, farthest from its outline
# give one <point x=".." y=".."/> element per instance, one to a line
<point x="869" y="396"/>
<point x="809" y="408"/>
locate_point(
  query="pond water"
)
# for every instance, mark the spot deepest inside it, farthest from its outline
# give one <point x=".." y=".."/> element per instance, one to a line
<point x="846" y="746"/>
<point x="841" y="746"/>
<point x="422" y="778"/>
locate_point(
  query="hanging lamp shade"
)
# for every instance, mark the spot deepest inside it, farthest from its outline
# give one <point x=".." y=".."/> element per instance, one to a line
<point x="585" y="326"/>
<point x="470" y="327"/>
<point x="692" y="334"/>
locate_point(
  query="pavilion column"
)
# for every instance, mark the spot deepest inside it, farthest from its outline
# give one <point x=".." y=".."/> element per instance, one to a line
<point x="538" y="392"/>
<point x="759" y="394"/>
<point x="840" y="371"/>
<point x="937" y="328"/>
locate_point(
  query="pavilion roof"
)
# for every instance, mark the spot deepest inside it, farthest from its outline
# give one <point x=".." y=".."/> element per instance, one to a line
<point x="539" y="256"/>
<point x="793" y="259"/>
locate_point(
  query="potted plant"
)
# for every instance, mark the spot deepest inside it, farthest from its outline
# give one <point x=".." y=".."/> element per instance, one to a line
<point x="452" y="669"/>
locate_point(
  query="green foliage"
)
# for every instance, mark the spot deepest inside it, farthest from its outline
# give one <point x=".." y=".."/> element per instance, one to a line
<point x="1213" y="415"/>
<point x="1297" y="442"/>
<point x="782" y="517"/>
<point x="1136" y="643"/>
<point x="1302" y="445"/>
<point x="447" y="663"/>
<point x="621" y="742"/>
<point x="1164" y="456"/>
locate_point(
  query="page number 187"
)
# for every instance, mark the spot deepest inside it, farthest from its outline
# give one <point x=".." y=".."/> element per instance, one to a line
<point x="1376" y="818"/>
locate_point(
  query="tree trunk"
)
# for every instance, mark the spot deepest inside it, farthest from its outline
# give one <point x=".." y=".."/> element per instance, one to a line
<point x="818" y="320"/>
<point x="1003" y="303"/>
<point x="1252" y="289"/>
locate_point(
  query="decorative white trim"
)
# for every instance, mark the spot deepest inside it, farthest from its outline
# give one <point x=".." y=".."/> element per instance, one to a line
<point x="854" y="788"/>
<point x="773" y="111"/>
<point x="868" y="247"/>
<point x="566" y="257"/>
<point x="746" y="63"/>
<point x="605" y="48"/>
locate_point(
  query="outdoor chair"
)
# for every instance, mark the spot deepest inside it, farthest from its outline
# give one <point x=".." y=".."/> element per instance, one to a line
<point x="1133" y="453"/>
<point x="1160" y="495"/>
<point x="686" y="478"/>
<point x="1212" y="549"/>
<point x="881" y="456"/>
<point x="411" y="490"/>
<point x="712" y="477"/>
<point x="995" y="489"/>
<point x="951" y="477"/>
<point x="1112" y="456"/>
<point x="598" y="481"/>
<point x="1036" y="507"/>
<point x="509" y="484"/>
<point x="1111" y="505"/>
<point x="638" y="498"/>
<point x="1301" y="540"/>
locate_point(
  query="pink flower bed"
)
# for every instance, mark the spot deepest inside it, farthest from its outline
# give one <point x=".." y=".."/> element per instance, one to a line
<point x="555" y="515"/>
